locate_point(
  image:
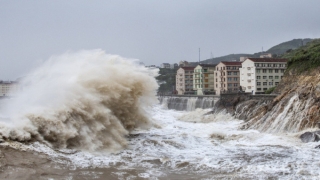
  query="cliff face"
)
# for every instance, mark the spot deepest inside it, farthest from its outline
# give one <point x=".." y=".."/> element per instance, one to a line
<point x="297" y="107"/>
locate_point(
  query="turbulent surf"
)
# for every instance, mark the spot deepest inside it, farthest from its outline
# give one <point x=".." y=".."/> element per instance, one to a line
<point x="86" y="100"/>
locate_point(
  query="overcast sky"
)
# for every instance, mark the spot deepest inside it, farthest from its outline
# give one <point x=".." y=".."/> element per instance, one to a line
<point x="149" y="30"/>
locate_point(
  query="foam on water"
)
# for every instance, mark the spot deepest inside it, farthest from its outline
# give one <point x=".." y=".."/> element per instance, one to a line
<point x="84" y="100"/>
<point x="204" y="149"/>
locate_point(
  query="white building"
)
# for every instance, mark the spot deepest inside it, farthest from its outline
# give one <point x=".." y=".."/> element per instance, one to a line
<point x="8" y="88"/>
<point x="260" y="74"/>
<point x="184" y="80"/>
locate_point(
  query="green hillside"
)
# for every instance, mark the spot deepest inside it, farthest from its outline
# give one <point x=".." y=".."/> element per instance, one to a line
<point x="305" y="58"/>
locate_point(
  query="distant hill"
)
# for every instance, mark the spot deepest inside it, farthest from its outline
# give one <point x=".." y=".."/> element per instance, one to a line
<point x="230" y="57"/>
<point x="275" y="50"/>
<point x="289" y="45"/>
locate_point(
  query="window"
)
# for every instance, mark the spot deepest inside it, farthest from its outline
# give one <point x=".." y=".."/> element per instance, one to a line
<point x="229" y="73"/>
<point x="270" y="83"/>
<point x="264" y="71"/>
<point x="269" y="65"/>
<point x="270" y="71"/>
<point x="281" y="77"/>
<point x="282" y="70"/>
<point x="235" y="73"/>
<point x="264" y="77"/>
<point x="258" y="83"/>
<point x="280" y="65"/>
<point x="235" y="79"/>
<point x="274" y="65"/>
<point x="265" y="89"/>
<point x="235" y="85"/>
<point x="229" y="79"/>
<point x="228" y="68"/>
<point x="258" y="89"/>
<point x="248" y="68"/>
<point x="276" y="83"/>
<point x="258" y="70"/>
<point x="258" y="77"/>
<point x="276" y="70"/>
<point x="263" y="65"/>
<point x="276" y="77"/>
<point x="264" y="83"/>
<point x="257" y="64"/>
<point x="270" y="77"/>
<point x="229" y="85"/>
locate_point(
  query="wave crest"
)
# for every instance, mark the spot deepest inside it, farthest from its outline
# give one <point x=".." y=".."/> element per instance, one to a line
<point x="85" y="100"/>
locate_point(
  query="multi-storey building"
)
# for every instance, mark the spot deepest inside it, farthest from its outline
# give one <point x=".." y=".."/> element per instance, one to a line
<point x="8" y="88"/>
<point x="227" y="77"/>
<point x="165" y="65"/>
<point x="260" y="74"/>
<point x="184" y="80"/>
<point x="203" y="79"/>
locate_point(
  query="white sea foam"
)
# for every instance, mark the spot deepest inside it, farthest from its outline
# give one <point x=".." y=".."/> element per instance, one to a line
<point x="212" y="149"/>
<point x="85" y="100"/>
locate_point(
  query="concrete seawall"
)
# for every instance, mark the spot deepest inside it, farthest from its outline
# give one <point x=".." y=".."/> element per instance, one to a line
<point x="225" y="101"/>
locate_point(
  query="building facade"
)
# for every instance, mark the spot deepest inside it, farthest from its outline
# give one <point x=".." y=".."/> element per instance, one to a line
<point x="184" y="80"/>
<point x="260" y="74"/>
<point x="203" y="79"/>
<point x="8" y="88"/>
<point x="227" y="77"/>
<point x="165" y="65"/>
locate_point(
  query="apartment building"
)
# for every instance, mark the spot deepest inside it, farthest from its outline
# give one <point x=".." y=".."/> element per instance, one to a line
<point x="227" y="77"/>
<point x="203" y="79"/>
<point x="184" y="80"/>
<point x="8" y="88"/>
<point x="260" y="74"/>
<point x="165" y="65"/>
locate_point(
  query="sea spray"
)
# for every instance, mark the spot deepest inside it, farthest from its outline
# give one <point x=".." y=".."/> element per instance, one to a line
<point x="85" y="100"/>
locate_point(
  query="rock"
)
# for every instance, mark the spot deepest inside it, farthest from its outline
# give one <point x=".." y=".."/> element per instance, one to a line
<point x="308" y="137"/>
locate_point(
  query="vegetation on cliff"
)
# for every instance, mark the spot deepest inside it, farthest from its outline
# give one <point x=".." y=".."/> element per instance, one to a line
<point x="304" y="59"/>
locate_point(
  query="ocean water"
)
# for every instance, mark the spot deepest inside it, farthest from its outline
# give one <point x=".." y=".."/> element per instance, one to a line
<point x="188" y="145"/>
<point x="97" y="114"/>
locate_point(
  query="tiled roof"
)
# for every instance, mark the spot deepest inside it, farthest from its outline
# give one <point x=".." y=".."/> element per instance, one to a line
<point x="231" y="63"/>
<point x="188" y="68"/>
<point x="267" y="60"/>
<point x="208" y="65"/>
